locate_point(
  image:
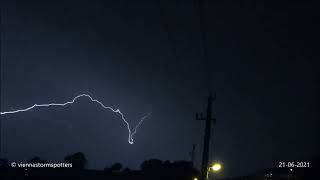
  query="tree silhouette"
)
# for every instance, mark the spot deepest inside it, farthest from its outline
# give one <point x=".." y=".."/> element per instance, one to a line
<point x="126" y="170"/>
<point x="4" y="163"/>
<point x="151" y="166"/>
<point x="115" y="168"/>
<point x="78" y="160"/>
<point x="156" y="169"/>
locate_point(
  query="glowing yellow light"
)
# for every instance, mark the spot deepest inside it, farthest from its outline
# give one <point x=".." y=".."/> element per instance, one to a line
<point x="216" y="167"/>
<point x="195" y="178"/>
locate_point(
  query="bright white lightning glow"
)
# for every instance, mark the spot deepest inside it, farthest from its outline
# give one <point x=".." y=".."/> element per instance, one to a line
<point x="131" y="133"/>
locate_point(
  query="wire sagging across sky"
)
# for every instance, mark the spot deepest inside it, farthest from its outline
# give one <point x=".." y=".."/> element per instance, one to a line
<point x="130" y="132"/>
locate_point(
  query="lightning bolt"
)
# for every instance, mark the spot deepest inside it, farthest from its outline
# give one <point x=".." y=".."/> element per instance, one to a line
<point x="130" y="131"/>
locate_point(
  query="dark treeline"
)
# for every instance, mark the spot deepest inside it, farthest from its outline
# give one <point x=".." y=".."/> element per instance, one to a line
<point x="149" y="169"/>
<point x="154" y="169"/>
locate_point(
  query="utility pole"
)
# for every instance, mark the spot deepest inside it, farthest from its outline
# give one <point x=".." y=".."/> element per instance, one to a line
<point x="192" y="153"/>
<point x="0" y="137"/>
<point x="1" y="41"/>
<point x="207" y="132"/>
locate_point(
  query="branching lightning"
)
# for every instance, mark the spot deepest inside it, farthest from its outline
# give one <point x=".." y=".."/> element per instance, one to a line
<point x="130" y="132"/>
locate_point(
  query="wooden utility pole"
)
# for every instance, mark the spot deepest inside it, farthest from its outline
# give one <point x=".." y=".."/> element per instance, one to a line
<point x="192" y="153"/>
<point x="1" y="41"/>
<point x="207" y="132"/>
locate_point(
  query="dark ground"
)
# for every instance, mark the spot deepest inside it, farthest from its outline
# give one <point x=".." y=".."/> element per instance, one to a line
<point x="166" y="171"/>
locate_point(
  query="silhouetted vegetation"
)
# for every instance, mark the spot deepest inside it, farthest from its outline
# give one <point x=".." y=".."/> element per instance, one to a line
<point x="4" y="163"/>
<point x="115" y="168"/>
<point x="78" y="160"/>
<point x="154" y="169"/>
<point x="150" y="169"/>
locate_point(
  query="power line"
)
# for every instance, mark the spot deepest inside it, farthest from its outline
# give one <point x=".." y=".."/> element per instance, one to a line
<point x="200" y="12"/>
<point x="165" y="21"/>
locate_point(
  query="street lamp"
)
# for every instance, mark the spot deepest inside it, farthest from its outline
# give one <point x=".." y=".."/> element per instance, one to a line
<point x="215" y="167"/>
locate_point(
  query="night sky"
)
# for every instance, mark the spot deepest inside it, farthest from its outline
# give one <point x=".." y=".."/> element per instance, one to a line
<point x="146" y="56"/>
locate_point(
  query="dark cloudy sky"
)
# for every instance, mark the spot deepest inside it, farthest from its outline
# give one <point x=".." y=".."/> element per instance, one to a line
<point x="145" y="56"/>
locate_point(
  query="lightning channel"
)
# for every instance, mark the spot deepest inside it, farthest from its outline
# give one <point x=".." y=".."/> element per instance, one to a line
<point x="131" y="132"/>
